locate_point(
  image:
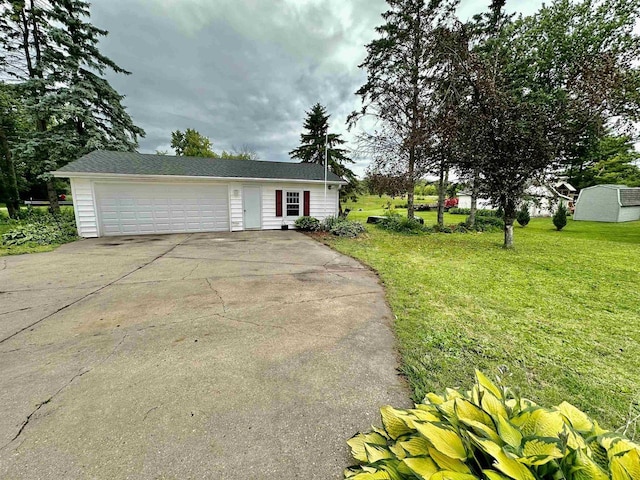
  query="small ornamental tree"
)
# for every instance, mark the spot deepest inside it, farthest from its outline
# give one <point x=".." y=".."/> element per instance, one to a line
<point x="560" y="217"/>
<point x="523" y="217"/>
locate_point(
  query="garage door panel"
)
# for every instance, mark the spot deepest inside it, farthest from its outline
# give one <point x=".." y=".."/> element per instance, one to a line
<point x="161" y="208"/>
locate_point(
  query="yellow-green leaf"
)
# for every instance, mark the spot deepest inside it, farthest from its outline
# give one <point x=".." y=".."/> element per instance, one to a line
<point x="487" y="384"/>
<point x="375" y="453"/>
<point x="468" y="412"/>
<point x="393" y="423"/>
<point x="452" y="394"/>
<point x="357" y="444"/>
<point x="504" y="463"/>
<point x="433" y="398"/>
<point x="424" y="415"/>
<point x="422" y="467"/>
<point x="416" y="446"/>
<point x="538" y="452"/>
<point x="508" y="433"/>
<point x="448" y="463"/>
<point x="493" y="475"/>
<point x="577" y="418"/>
<point x="448" y="475"/>
<point x="444" y="440"/>
<point x="483" y="430"/>
<point x="372" y="476"/>
<point x="397" y="450"/>
<point x="493" y="405"/>
<point x="584" y="468"/>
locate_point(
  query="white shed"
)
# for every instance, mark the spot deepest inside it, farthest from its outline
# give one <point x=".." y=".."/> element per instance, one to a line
<point x="128" y="193"/>
<point x="608" y="203"/>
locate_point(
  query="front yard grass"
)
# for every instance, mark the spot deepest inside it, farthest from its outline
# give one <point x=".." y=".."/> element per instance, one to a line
<point x="558" y="317"/>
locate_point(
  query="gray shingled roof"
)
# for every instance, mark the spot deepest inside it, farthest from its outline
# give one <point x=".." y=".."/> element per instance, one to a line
<point x="630" y="197"/>
<point x="132" y="163"/>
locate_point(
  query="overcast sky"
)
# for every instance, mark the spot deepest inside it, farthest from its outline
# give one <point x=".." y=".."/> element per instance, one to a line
<point x="243" y="72"/>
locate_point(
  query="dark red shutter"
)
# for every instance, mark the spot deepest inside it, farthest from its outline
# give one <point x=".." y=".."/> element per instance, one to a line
<point x="307" y="199"/>
<point x="278" y="203"/>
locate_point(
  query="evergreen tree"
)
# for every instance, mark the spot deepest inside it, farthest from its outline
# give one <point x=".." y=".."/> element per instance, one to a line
<point x="523" y="216"/>
<point x="312" y="149"/>
<point x="52" y="50"/>
<point x="400" y="92"/>
<point x="12" y="121"/>
<point x="560" y="217"/>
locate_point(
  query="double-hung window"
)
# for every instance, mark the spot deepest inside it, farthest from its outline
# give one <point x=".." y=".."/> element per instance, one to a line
<point x="293" y="204"/>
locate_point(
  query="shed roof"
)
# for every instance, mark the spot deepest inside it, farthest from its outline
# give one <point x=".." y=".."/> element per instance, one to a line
<point x="630" y="197"/>
<point x="133" y="163"/>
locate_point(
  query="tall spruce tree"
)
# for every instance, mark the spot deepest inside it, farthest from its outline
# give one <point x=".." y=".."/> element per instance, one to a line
<point x="52" y="50"/>
<point x="312" y="149"/>
<point x="400" y="91"/>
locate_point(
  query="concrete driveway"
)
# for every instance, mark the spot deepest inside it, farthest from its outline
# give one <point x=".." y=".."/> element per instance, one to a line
<point x="253" y="355"/>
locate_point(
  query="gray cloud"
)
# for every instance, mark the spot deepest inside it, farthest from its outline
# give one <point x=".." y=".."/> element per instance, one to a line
<point x="241" y="72"/>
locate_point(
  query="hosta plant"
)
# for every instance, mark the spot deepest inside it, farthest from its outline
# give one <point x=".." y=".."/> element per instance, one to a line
<point x="490" y="433"/>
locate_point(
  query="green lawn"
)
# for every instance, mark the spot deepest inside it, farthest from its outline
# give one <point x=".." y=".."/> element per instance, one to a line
<point x="559" y="314"/>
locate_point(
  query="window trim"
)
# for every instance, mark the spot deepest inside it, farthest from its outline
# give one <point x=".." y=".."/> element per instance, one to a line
<point x="285" y="203"/>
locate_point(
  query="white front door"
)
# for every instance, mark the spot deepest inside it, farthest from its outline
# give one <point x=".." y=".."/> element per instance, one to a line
<point x="252" y="207"/>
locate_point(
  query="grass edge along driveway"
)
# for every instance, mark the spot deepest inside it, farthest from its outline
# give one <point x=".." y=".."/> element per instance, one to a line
<point x="558" y="317"/>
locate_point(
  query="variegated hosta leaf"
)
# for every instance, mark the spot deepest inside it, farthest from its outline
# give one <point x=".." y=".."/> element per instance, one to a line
<point x="393" y="423"/>
<point x="577" y="419"/>
<point x="421" y="467"/>
<point x="416" y="446"/>
<point x="424" y="416"/>
<point x="584" y="468"/>
<point x="448" y="463"/>
<point x="379" y="475"/>
<point x="539" y="451"/>
<point x="444" y="440"/>
<point x="628" y="463"/>
<point x="375" y="453"/>
<point x="493" y="475"/>
<point x="503" y="462"/>
<point x="484" y="431"/>
<point x="433" y="398"/>
<point x="452" y="394"/>
<point x="358" y="441"/>
<point x="447" y="409"/>
<point x="508" y="433"/>
<point x="397" y="450"/>
<point x="620" y="446"/>
<point x="540" y="422"/>
<point x="486" y="384"/>
<point x="468" y="412"/>
<point x="447" y="475"/>
<point x="493" y="405"/>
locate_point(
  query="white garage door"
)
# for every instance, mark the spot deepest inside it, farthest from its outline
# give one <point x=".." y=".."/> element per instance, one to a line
<point x="137" y="208"/>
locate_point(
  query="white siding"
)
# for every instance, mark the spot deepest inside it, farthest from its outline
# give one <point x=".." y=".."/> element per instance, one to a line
<point x="317" y="209"/>
<point x="84" y="207"/>
<point x="86" y="202"/>
<point x="235" y="207"/>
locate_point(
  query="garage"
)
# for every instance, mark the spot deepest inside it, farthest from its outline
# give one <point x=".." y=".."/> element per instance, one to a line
<point x="131" y="193"/>
<point x="138" y="208"/>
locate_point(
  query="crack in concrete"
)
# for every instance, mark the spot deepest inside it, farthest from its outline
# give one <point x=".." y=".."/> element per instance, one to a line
<point x="94" y="291"/>
<point x="18" y="310"/>
<point x="4" y="264"/>
<point x="224" y="305"/>
<point x="149" y="411"/>
<point x="48" y="400"/>
<point x="192" y="270"/>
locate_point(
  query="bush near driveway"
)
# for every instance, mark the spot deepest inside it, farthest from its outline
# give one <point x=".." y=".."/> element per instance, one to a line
<point x="490" y="433"/>
<point x="37" y="230"/>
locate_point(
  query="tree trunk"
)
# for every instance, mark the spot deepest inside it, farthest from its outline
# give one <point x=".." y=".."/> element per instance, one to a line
<point x="441" y="194"/>
<point x="471" y="221"/>
<point x="54" y="206"/>
<point x="509" y="219"/>
<point x="11" y="195"/>
<point x="411" y="182"/>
